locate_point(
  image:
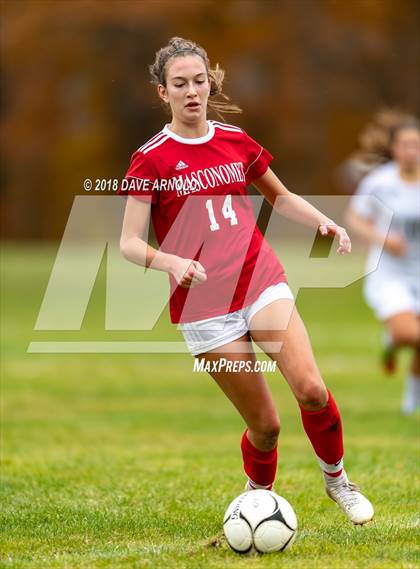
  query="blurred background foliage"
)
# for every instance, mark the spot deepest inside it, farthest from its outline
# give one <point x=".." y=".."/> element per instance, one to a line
<point x="76" y="99"/>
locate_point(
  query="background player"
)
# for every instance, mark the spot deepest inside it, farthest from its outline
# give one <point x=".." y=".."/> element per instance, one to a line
<point x="237" y="292"/>
<point x="393" y="289"/>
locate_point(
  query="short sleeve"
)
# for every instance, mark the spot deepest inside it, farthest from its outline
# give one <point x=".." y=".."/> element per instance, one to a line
<point x="257" y="159"/>
<point x="363" y="202"/>
<point x="141" y="179"/>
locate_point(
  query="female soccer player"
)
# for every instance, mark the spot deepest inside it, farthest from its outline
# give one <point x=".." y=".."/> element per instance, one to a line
<point x="393" y="289"/>
<point x="227" y="285"/>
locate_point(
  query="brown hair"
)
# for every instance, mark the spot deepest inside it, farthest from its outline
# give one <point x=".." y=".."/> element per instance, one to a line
<point x="375" y="146"/>
<point x="376" y="138"/>
<point x="218" y="101"/>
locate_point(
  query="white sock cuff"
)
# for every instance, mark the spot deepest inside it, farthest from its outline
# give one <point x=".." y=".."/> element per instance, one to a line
<point x="331" y="468"/>
<point x="258" y="486"/>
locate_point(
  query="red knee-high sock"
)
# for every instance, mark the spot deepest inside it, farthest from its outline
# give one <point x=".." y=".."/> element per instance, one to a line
<point x="259" y="465"/>
<point x="325" y="431"/>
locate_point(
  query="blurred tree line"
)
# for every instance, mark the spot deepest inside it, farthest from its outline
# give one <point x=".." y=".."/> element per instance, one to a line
<point x="76" y="99"/>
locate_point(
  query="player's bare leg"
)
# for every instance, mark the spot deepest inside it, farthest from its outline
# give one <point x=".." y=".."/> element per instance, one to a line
<point x="404" y="329"/>
<point x="249" y="393"/>
<point x="279" y="323"/>
<point x="320" y="415"/>
<point x="388" y="353"/>
<point x="400" y="330"/>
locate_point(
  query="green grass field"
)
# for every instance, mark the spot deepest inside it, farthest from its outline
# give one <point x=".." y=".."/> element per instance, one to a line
<point x="129" y="461"/>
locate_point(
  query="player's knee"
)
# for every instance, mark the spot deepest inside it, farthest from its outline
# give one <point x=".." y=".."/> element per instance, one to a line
<point x="267" y="432"/>
<point x="270" y="440"/>
<point x="312" y="395"/>
<point x="271" y="429"/>
<point x="408" y="336"/>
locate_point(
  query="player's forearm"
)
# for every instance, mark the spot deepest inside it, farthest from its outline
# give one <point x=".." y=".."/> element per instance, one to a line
<point x="288" y="204"/>
<point x="141" y="253"/>
<point x="296" y="208"/>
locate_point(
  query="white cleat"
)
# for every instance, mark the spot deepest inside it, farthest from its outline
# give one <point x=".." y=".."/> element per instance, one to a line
<point x="347" y="495"/>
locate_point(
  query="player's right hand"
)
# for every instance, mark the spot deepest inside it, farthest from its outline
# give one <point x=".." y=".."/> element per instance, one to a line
<point x="396" y="245"/>
<point x="188" y="273"/>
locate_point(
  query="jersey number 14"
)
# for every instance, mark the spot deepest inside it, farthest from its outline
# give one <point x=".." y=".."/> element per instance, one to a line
<point x="227" y="211"/>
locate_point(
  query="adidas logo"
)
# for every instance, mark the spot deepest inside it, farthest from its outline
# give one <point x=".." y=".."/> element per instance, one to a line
<point x="181" y="165"/>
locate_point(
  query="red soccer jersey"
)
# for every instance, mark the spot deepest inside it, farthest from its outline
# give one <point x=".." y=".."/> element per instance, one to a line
<point x="201" y="210"/>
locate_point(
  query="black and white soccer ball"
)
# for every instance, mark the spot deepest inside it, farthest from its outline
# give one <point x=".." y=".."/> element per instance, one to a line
<point x="260" y="520"/>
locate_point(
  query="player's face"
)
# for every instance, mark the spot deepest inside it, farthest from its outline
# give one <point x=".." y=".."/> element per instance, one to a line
<point x="187" y="88"/>
<point x="406" y="147"/>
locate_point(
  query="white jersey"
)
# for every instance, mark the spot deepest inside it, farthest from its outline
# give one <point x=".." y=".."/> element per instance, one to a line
<point x="397" y="209"/>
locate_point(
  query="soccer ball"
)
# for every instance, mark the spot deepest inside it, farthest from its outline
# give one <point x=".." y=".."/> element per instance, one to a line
<point x="260" y="520"/>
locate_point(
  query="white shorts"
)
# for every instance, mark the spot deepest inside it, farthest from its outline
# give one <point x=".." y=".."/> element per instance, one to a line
<point x="204" y="335"/>
<point x="390" y="296"/>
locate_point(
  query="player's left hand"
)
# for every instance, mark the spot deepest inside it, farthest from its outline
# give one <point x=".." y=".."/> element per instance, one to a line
<point x="337" y="231"/>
